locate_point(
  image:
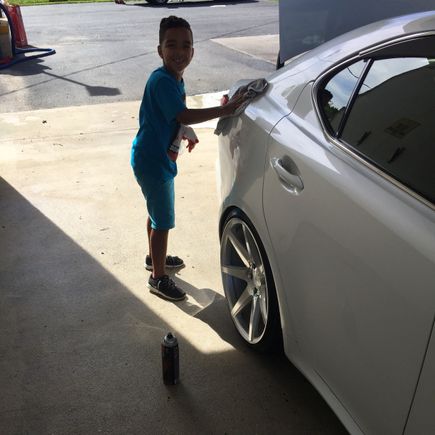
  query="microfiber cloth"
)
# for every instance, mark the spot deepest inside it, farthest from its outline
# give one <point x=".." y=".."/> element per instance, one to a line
<point x="252" y="90"/>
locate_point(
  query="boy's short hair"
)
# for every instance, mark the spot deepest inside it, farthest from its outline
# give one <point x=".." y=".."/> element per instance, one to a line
<point x="170" y="23"/>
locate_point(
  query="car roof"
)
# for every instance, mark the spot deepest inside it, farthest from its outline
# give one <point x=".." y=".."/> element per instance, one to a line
<point x="331" y="52"/>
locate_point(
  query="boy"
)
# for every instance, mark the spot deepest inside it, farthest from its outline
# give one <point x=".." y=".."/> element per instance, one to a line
<point x="163" y="111"/>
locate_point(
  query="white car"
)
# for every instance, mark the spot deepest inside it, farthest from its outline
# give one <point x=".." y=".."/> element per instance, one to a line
<point x="327" y="222"/>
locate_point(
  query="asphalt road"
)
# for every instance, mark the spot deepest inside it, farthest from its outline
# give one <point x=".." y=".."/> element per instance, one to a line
<point x="105" y="51"/>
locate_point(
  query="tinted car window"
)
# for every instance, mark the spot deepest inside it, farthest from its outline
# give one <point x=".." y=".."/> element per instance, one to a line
<point x="392" y="121"/>
<point x="335" y="95"/>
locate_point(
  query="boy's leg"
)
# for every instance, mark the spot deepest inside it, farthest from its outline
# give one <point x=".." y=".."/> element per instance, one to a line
<point x="159" y="283"/>
<point x="158" y="248"/>
<point x="149" y="229"/>
<point x="161" y="217"/>
<point x="160" y="203"/>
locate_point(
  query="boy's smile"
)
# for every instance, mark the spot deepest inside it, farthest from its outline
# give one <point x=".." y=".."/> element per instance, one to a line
<point x="176" y="50"/>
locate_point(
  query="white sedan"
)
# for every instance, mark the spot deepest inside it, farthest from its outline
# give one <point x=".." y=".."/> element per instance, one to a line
<point x="327" y="222"/>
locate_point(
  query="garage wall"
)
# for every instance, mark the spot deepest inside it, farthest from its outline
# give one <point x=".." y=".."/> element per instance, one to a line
<point x="305" y="24"/>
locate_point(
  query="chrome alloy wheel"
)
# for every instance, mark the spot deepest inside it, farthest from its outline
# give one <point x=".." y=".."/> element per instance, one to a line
<point x="244" y="280"/>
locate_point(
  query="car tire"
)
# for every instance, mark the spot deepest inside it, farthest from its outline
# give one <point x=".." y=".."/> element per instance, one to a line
<point x="248" y="284"/>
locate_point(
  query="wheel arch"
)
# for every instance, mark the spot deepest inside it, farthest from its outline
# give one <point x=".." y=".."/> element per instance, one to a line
<point x="224" y="216"/>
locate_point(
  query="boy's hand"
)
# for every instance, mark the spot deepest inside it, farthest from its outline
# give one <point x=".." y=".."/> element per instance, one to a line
<point x="191" y="145"/>
<point x="190" y="136"/>
<point x="234" y="103"/>
<point x="191" y="142"/>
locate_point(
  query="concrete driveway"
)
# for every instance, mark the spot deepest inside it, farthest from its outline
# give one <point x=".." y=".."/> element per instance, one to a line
<point x="80" y="333"/>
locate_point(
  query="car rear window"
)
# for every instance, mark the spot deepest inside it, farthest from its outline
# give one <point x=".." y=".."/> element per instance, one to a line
<point x="392" y="121"/>
<point x="383" y="108"/>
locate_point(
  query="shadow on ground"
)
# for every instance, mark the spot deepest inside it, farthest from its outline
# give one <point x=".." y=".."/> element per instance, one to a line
<point x="36" y="67"/>
<point x="81" y="354"/>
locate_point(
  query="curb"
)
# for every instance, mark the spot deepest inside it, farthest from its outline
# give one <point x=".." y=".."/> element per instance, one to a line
<point x="118" y="117"/>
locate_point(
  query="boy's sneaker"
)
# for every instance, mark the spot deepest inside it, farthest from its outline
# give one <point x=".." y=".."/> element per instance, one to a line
<point x="165" y="288"/>
<point x="172" y="262"/>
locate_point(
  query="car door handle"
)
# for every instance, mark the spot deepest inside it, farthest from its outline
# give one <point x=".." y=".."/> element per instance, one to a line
<point x="288" y="172"/>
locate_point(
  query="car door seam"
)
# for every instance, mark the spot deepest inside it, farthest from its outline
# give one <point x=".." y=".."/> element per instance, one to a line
<point x="419" y="376"/>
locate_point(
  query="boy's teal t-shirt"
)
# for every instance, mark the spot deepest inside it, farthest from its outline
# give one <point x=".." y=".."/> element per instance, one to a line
<point x="164" y="98"/>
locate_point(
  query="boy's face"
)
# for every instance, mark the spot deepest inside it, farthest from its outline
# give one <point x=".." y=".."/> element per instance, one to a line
<point x="176" y="50"/>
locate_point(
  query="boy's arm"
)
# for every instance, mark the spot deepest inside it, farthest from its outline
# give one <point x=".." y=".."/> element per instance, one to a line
<point x="194" y="116"/>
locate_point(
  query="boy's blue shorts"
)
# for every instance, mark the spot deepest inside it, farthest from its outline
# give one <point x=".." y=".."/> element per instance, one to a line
<point x="160" y="198"/>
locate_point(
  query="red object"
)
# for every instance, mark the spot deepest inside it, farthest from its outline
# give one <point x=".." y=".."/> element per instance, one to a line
<point x="18" y="25"/>
<point x="224" y="99"/>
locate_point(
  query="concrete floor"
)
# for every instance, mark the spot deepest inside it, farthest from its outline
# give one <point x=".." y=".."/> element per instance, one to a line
<point x="80" y="333"/>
